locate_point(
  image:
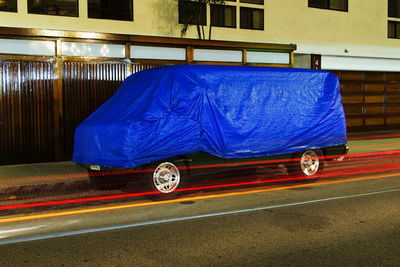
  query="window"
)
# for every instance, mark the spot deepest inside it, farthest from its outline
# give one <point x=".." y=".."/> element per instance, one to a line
<point x="340" y="5"/>
<point x="394" y="29"/>
<point x="260" y="2"/>
<point x="54" y="7"/>
<point x="8" y="5"/>
<point x="106" y="9"/>
<point x="192" y="12"/>
<point x="394" y="12"/>
<point x="394" y="8"/>
<point x="223" y="16"/>
<point x="251" y="18"/>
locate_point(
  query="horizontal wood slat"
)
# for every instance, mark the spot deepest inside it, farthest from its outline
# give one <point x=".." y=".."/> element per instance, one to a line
<point x="27" y="123"/>
<point x="370" y="99"/>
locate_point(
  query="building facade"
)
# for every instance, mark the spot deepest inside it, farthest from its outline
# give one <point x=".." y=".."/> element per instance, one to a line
<point x="61" y="59"/>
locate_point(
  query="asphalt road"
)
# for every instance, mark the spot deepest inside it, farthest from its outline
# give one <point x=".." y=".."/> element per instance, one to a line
<point x="349" y="217"/>
<point x="346" y="222"/>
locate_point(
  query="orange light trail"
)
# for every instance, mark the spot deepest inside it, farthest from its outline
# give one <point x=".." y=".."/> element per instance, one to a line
<point x="376" y="155"/>
<point x="134" y="205"/>
<point x="349" y="160"/>
<point x="350" y="171"/>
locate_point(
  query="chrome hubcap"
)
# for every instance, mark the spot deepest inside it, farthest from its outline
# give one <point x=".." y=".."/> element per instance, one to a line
<point x="309" y="162"/>
<point x="166" y="177"/>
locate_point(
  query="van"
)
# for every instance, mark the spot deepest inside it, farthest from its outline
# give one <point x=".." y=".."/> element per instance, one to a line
<point x="166" y="120"/>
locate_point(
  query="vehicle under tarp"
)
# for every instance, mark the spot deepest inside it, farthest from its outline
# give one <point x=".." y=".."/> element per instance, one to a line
<point x="227" y="111"/>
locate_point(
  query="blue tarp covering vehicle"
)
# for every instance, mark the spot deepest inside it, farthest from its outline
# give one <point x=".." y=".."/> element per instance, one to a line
<point x="226" y="111"/>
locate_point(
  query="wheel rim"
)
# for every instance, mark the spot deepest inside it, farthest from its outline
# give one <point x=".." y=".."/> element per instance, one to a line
<point x="309" y="162"/>
<point x="166" y="177"/>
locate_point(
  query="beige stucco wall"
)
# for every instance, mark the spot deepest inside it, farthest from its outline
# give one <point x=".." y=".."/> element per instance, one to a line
<point x="286" y="21"/>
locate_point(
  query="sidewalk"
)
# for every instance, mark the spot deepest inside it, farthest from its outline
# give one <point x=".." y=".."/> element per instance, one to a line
<point x="69" y="172"/>
<point x="23" y="179"/>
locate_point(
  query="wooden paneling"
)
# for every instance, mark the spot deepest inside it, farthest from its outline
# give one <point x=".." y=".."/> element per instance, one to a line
<point x="393" y="120"/>
<point x="26" y="111"/>
<point x="374" y="121"/>
<point x="374" y="77"/>
<point x="353" y="122"/>
<point x="86" y="86"/>
<point x="351" y="76"/>
<point x="352" y="99"/>
<point x="378" y="109"/>
<point x="375" y="87"/>
<point x="136" y="67"/>
<point x="371" y="100"/>
<point x="393" y="109"/>
<point x="44" y="97"/>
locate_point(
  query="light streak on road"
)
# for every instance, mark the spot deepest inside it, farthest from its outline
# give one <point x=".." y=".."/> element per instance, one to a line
<point x="7" y="233"/>
<point x="357" y="156"/>
<point x="134" y="205"/>
<point x="169" y="220"/>
<point x="340" y="170"/>
<point x="353" y="171"/>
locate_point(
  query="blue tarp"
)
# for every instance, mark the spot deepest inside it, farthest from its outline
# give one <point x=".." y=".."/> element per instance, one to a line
<point x="227" y="111"/>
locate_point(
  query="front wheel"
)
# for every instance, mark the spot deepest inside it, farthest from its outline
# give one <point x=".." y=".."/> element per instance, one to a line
<point x="307" y="164"/>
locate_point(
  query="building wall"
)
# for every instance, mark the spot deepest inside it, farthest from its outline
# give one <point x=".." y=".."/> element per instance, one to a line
<point x="45" y="87"/>
<point x="287" y="21"/>
<point x="50" y="81"/>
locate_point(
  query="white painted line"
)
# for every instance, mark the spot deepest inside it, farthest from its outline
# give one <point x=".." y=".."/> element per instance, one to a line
<point x="117" y="227"/>
<point x="6" y="233"/>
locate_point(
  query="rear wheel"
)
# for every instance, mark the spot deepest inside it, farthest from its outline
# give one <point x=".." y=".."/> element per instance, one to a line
<point x="307" y="164"/>
<point x="165" y="178"/>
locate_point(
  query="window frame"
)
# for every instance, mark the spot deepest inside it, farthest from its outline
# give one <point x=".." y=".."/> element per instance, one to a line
<point x="113" y="19"/>
<point x="397" y="29"/>
<point x="328" y="6"/>
<point x="203" y="20"/>
<point x="29" y="3"/>
<point x="250" y="2"/>
<point x="7" y="8"/>
<point x="252" y="28"/>
<point x="396" y="12"/>
<point x="224" y="7"/>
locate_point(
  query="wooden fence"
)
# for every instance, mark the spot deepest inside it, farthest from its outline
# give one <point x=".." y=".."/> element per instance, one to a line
<point x="371" y="99"/>
<point x="43" y="98"/>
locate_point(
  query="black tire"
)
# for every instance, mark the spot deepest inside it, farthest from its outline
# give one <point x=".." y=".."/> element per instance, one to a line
<point x="307" y="164"/>
<point x="165" y="178"/>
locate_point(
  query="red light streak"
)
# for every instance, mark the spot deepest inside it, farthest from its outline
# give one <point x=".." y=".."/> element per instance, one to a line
<point x="261" y="162"/>
<point x="352" y="171"/>
<point x="371" y="156"/>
